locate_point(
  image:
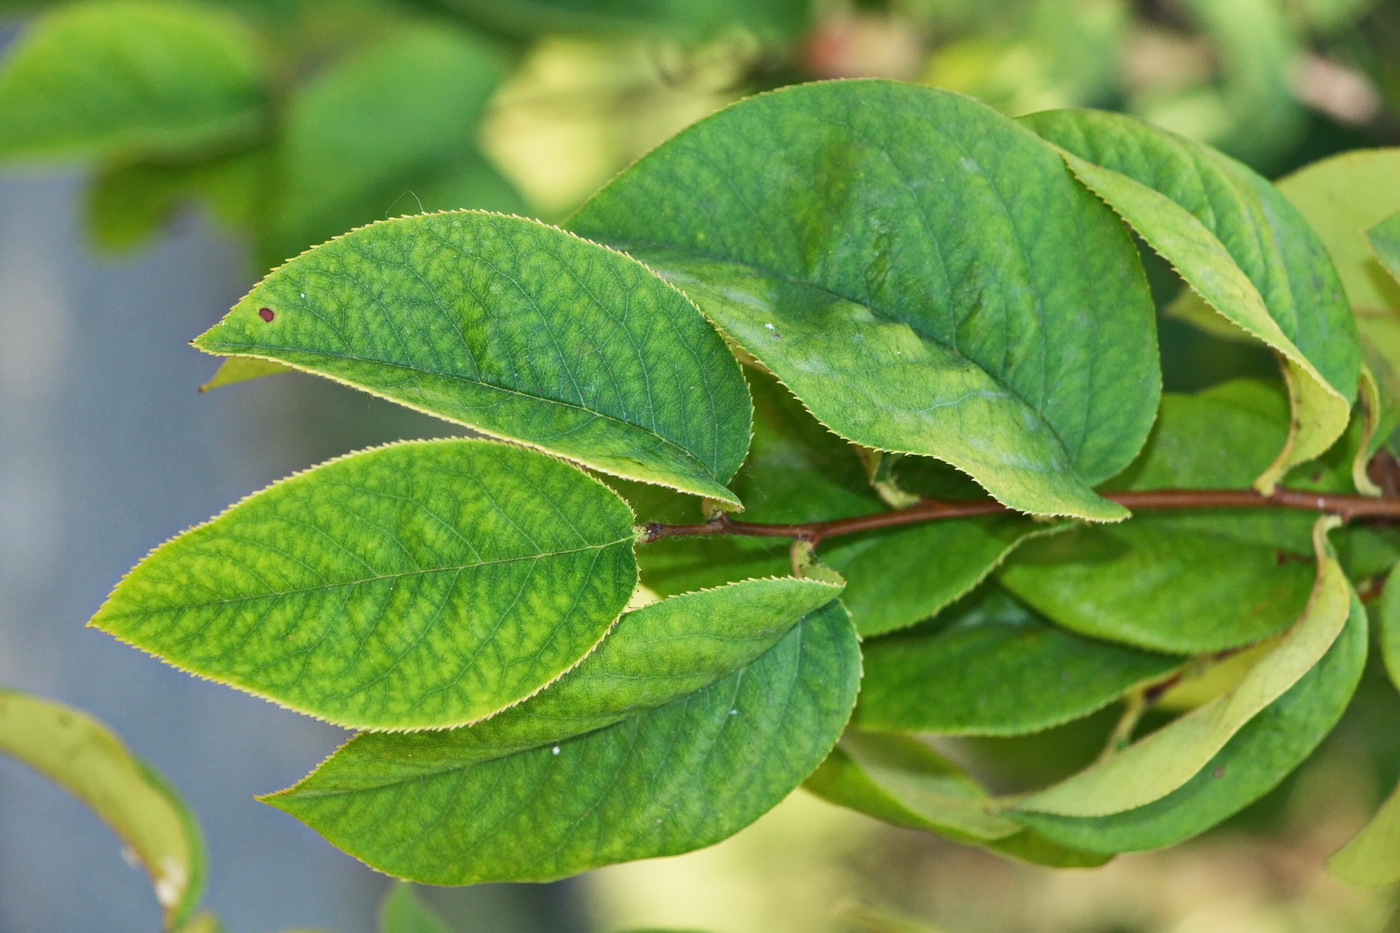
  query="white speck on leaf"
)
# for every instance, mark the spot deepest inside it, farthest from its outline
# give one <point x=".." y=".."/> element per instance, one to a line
<point x="169" y="881"/>
<point x="556" y="749"/>
<point x="734" y="712"/>
<point x="770" y="326"/>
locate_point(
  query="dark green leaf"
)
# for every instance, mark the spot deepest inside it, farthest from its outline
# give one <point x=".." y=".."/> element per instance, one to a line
<point x="516" y="329"/>
<point x="923" y="273"/>
<point x="667" y="780"/>
<point x="994" y="668"/>
<point x="420" y="585"/>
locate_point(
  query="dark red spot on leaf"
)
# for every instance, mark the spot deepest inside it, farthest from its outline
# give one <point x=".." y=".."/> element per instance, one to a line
<point x="1218" y="773"/>
<point x="266" y="314"/>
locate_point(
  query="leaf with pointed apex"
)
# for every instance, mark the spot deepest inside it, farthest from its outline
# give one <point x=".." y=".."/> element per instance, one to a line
<point x="901" y="780"/>
<point x="403" y="911"/>
<point x="922" y="272"/>
<point x="1239" y="244"/>
<point x="666" y="780"/>
<point x="416" y="586"/>
<point x="1260" y="755"/>
<point x="1372" y="857"/>
<point x="237" y="369"/>
<point x="516" y="329"/>
<point x="1250" y="571"/>
<point x="82" y="756"/>
<point x="994" y="668"/>
<point x="1154" y="766"/>
<point x="423" y="90"/>
<point x="118" y="78"/>
<point x="798" y="471"/>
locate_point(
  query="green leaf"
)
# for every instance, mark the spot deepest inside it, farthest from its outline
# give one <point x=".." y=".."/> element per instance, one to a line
<point x="83" y="756"/>
<point x="516" y="329"/>
<point x="902" y="781"/>
<point x="924" y="274"/>
<point x="1259" y="756"/>
<point x="242" y="368"/>
<point x="1388" y="623"/>
<point x="423" y="90"/>
<point x="1154" y="766"/>
<point x="127" y="203"/>
<point x="1385" y="240"/>
<point x="994" y="668"/>
<point x="1372" y="857"/>
<point x="113" y="78"/>
<point x="798" y="471"/>
<point x="667" y="780"/>
<point x="1250" y="571"/>
<point x="420" y="585"/>
<point x="529" y="18"/>
<point x="1240" y="245"/>
<point x="1342" y="197"/>
<point x="403" y="911"/>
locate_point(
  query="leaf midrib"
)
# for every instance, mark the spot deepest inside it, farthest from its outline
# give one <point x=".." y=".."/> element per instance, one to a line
<point x="454" y="568"/>
<point x="241" y="350"/>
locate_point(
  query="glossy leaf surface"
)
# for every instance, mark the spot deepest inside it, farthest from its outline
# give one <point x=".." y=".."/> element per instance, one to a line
<point x="923" y="273"/>
<point x="516" y="329"/>
<point x="994" y="668"/>
<point x="82" y="756"/>
<point x="124" y="78"/>
<point x="420" y="585"/>
<point x="1251" y="764"/>
<point x="1154" y="766"/>
<point x="668" y="780"/>
<point x="1240" y="245"/>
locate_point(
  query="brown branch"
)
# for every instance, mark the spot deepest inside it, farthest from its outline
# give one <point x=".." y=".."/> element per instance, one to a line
<point x="930" y="510"/>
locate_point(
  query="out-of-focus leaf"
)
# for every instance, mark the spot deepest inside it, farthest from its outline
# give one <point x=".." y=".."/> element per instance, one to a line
<point x="403" y="911"/>
<point x="241" y="369"/>
<point x="994" y="668"/>
<point x="684" y="18"/>
<point x="1261" y="755"/>
<point x="1388" y="623"/>
<point x="390" y="130"/>
<point x="938" y="283"/>
<point x="421" y="585"/>
<point x="1372" y="856"/>
<point x="123" y="78"/>
<point x="516" y="329"/>
<point x="666" y="780"/>
<point x="86" y="759"/>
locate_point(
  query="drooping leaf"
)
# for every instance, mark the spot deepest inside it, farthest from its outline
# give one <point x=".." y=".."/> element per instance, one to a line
<point x="423" y="90"/>
<point x="1372" y="857"/>
<point x="925" y="275"/>
<point x="1250" y="570"/>
<point x="667" y="780"/>
<point x="1238" y="243"/>
<point x="83" y="756"/>
<point x="1261" y="755"/>
<point x="798" y="471"/>
<point x="1154" y="766"/>
<point x="994" y="668"/>
<point x="420" y="585"/>
<point x="112" y="78"/>
<point x="516" y="329"/>
<point x="902" y="781"/>
<point x="403" y="911"/>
